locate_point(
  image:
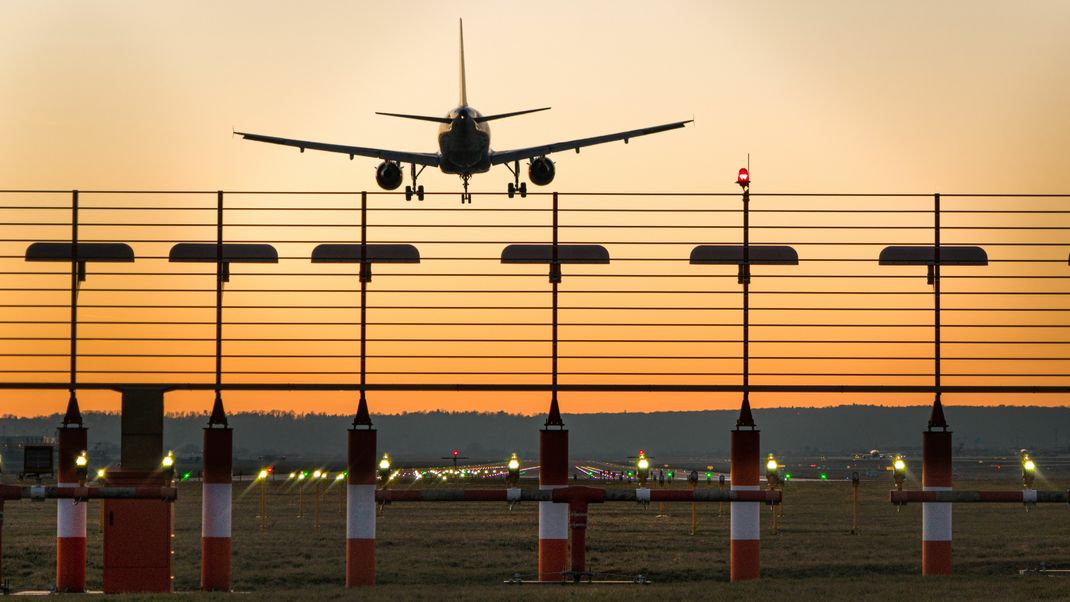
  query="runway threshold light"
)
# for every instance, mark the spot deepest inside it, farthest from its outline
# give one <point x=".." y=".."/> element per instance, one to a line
<point x="384" y="468"/>
<point x="771" y="471"/>
<point x="1029" y="471"/>
<point x="899" y="472"/>
<point x="513" y="476"/>
<point x="81" y="466"/>
<point x="642" y="468"/>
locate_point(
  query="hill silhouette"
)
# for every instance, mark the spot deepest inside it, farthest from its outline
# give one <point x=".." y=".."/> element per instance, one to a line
<point x="427" y="436"/>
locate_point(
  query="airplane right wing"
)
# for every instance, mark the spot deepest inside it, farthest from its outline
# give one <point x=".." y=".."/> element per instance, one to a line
<point x="497" y="158"/>
<point x="431" y="159"/>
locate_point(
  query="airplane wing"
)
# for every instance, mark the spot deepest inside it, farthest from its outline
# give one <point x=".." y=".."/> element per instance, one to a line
<point x="378" y="153"/>
<point x="499" y="157"/>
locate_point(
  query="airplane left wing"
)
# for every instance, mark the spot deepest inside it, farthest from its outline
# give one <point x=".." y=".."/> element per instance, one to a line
<point x="431" y="159"/>
<point x="497" y="158"/>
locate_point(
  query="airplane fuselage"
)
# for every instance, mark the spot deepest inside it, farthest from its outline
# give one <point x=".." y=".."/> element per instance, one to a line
<point x="464" y="143"/>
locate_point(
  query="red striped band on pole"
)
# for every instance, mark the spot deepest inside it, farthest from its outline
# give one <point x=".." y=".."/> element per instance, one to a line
<point x="553" y="518"/>
<point x="70" y="515"/>
<point x="216" y="509"/>
<point x="360" y="508"/>
<point x="936" y="516"/>
<point x="745" y="516"/>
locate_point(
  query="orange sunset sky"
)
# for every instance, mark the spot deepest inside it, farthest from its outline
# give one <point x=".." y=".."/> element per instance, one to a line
<point x="827" y="97"/>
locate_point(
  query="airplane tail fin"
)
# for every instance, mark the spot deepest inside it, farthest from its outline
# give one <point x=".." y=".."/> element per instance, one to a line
<point x="464" y="92"/>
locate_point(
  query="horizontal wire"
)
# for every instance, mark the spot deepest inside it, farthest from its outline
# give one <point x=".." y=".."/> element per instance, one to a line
<point x="561" y="373"/>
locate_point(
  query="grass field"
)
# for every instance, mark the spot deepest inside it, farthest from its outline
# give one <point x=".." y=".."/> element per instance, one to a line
<point x="466" y="550"/>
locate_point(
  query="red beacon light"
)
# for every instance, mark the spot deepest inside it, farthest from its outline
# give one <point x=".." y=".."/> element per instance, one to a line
<point x="743" y="179"/>
<point x="456" y="453"/>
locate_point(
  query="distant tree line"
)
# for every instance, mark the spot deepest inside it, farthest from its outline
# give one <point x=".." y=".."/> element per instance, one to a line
<point x="428" y="436"/>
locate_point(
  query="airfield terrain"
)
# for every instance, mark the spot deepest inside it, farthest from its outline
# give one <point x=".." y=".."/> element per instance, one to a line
<point x="468" y="550"/>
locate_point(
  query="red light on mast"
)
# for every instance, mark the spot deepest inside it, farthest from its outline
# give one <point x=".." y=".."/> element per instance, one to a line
<point x="743" y="179"/>
<point x="456" y="453"/>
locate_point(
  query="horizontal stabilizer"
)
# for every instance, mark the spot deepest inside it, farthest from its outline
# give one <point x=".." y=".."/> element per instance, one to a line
<point x="420" y="117"/>
<point x="513" y="114"/>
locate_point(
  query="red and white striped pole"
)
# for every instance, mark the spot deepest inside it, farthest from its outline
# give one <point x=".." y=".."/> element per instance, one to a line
<point x="215" y="508"/>
<point x="70" y="514"/>
<point x="553" y="518"/>
<point x="360" y="507"/>
<point x="745" y="516"/>
<point x="936" y="476"/>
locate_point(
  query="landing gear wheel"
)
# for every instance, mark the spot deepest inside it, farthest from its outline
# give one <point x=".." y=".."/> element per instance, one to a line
<point x="523" y="190"/>
<point x="512" y="190"/>
<point x="420" y="192"/>
<point x="408" y="193"/>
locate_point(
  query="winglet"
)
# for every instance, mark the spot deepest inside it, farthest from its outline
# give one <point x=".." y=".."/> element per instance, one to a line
<point x="464" y="92"/>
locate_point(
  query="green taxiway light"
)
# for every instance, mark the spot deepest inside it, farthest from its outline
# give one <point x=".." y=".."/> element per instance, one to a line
<point x="186" y="476"/>
<point x="824" y="477"/>
<point x="787" y="476"/>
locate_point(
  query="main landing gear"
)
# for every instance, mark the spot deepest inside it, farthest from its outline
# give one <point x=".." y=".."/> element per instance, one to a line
<point x="414" y="189"/>
<point x="516" y="186"/>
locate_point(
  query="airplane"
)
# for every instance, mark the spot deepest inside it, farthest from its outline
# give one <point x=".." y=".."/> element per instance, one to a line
<point x="464" y="148"/>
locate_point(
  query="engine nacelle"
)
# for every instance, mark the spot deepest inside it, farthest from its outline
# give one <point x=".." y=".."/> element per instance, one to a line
<point x="541" y="171"/>
<point x="388" y="175"/>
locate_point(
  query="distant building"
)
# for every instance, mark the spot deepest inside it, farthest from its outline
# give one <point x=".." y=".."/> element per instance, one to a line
<point x="12" y="447"/>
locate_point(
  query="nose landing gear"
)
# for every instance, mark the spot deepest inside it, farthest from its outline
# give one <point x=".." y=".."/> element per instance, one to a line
<point x="466" y="197"/>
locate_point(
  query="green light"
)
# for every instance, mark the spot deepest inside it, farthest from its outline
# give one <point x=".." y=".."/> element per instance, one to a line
<point x="824" y="477"/>
<point x="787" y="476"/>
<point x="630" y="474"/>
<point x="709" y="475"/>
<point x="186" y="476"/>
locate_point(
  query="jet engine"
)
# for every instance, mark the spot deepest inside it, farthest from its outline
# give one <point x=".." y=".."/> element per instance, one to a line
<point x="541" y="171"/>
<point x="388" y="175"/>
